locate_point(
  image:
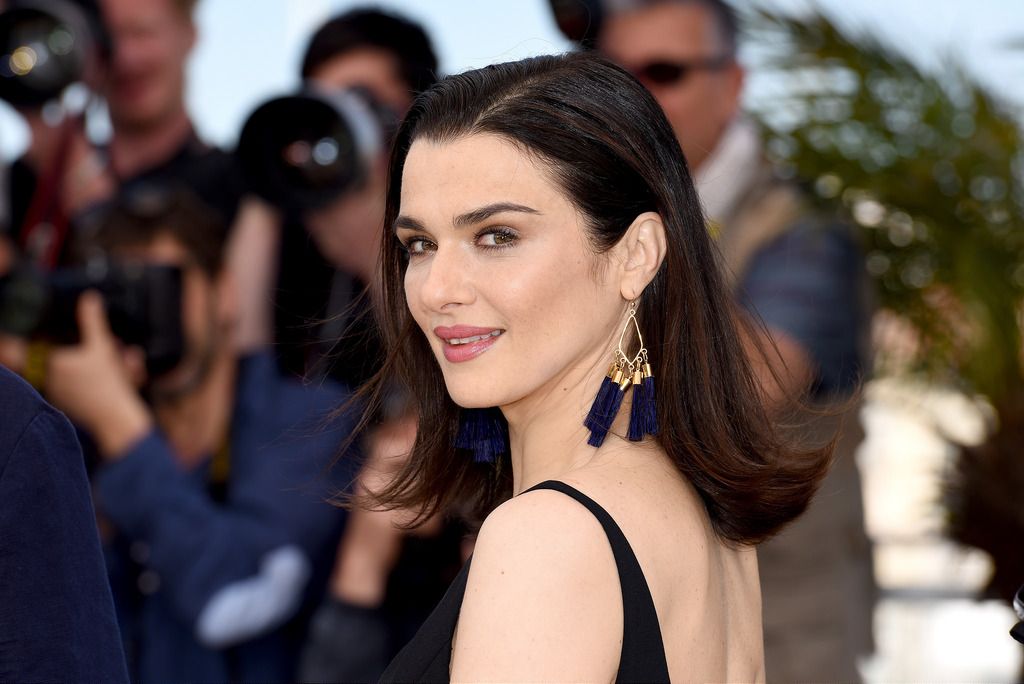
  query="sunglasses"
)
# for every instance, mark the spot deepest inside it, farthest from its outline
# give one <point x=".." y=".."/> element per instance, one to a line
<point x="664" y="72"/>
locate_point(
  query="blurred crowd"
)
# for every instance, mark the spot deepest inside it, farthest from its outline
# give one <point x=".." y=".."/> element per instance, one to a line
<point x="204" y="318"/>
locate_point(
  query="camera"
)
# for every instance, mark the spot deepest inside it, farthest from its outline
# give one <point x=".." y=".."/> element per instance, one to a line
<point x="143" y="303"/>
<point x="45" y="46"/>
<point x="305" y="150"/>
<point x="578" y="20"/>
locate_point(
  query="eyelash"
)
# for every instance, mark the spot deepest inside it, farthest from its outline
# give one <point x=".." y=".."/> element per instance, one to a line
<point x="407" y="246"/>
<point x="502" y="232"/>
<point x="506" y="233"/>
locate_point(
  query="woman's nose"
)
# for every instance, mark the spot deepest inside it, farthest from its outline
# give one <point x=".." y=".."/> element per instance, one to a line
<point x="448" y="279"/>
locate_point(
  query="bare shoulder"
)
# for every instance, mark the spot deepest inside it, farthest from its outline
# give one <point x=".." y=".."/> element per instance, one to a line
<point x="543" y="533"/>
<point x="541" y="522"/>
<point x="542" y="599"/>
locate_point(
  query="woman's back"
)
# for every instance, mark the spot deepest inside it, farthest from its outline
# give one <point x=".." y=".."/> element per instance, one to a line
<point x="706" y="594"/>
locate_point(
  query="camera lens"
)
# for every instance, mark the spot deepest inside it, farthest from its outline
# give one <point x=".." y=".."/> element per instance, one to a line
<point x="42" y="51"/>
<point x="303" y="151"/>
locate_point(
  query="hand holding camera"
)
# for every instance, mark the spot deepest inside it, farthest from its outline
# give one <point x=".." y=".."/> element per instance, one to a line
<point x="96" y="382"/>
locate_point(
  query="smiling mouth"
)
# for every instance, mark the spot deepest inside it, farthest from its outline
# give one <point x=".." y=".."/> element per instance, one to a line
<point x="464" y="343"/>
<point x="455" y="341"/>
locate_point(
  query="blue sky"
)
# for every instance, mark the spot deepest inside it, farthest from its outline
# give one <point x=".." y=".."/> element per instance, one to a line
<point x="250" y="49"/>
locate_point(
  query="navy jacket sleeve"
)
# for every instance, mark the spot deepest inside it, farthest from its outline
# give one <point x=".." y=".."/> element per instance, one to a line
<point x="56" y="615"/>
<point x="276" y="491"/>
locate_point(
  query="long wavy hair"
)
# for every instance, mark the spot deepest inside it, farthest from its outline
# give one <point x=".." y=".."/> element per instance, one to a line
<point x="608" y="144"/>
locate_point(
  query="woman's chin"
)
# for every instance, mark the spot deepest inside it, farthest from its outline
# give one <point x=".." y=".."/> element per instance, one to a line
<point x="475" y="397"/>
<point x="474" y="402"/>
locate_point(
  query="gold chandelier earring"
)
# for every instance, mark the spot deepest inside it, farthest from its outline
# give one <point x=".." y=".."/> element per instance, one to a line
<point x="624" y="373"/>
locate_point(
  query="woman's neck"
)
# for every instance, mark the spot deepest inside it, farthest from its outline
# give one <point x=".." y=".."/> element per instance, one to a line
<point x="546" y="432"/>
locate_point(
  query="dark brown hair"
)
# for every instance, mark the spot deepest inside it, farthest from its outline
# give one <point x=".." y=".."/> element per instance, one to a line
<point x="186" y="7"/>
<point x="607" y="143"/>
<point x="139" y="215"/>
<point x="362" y="28"/>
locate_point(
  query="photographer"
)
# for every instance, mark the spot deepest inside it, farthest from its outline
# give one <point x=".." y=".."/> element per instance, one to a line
<point x="364" y="64"/>
<point x="137" y="66"/>
<point x="51" y="45"/>
<point x="385" y="581"/>
<point x="153" y="138"/>
<point x="211" y="472"/>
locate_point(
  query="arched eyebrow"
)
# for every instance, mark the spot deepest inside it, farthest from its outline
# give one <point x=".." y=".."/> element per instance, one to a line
<point x="409" y="223"/>
<point x="470" y="217"/>
<point x="487" y="211"/>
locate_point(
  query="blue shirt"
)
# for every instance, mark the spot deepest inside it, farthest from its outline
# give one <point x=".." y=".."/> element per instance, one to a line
<point x="56" y="616"/>
<point x="809" y="283"/>
<point x="181" y="548"/>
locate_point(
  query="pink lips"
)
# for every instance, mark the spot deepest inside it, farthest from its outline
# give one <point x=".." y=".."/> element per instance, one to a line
<point x="466" y="350"/>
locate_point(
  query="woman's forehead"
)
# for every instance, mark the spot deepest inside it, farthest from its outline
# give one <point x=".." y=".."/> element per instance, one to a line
<point x="475" y="169"/>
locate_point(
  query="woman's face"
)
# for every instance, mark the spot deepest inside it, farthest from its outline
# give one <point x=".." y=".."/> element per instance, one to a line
<point x="501" y="279"/>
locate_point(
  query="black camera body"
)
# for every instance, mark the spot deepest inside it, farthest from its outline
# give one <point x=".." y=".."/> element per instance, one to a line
<point x="579" y="20"/>
<point x="303" y="151"/>
<point x="143" y="303"/>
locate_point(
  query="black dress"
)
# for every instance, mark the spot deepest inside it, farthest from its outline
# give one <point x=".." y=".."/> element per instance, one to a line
<point x="427" y="658"/>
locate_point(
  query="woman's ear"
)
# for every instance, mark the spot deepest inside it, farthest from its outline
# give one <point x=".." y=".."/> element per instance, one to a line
<point x="644" y="245"/>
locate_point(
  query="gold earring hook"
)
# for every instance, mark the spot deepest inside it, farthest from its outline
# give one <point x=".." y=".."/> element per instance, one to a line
<point x="641" y="354"/>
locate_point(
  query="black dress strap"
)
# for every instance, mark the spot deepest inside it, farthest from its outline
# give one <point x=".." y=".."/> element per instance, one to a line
<point x="427" y="658"/>
<point x="643" y="652"/>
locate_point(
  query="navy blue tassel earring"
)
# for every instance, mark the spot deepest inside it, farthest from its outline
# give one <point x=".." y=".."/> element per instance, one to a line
<point x="606" y="405"/>
<point x="484" y="432"/>
<point x="643" y="416"/>
<point x="623" y="374"/>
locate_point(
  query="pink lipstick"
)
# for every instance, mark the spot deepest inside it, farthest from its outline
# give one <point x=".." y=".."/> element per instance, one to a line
<point x="464" y="342"/>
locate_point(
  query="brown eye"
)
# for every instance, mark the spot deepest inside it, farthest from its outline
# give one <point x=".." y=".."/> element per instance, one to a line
<point x="419" y="245"/>
<point x="499" y="237"/>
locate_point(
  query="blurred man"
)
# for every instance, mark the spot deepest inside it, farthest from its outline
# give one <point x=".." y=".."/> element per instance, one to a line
<point x="391" y="59"/>
<point x="801" y="274"/>
<point x="142" y="81"/>
<point x="58" y="176"/>
<point x="57" y="621"/>
<point x="153" y="138"/>
<point x="388" y="59"/>
<point x="221" y="541"/>
<point x="384" y="583"/>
